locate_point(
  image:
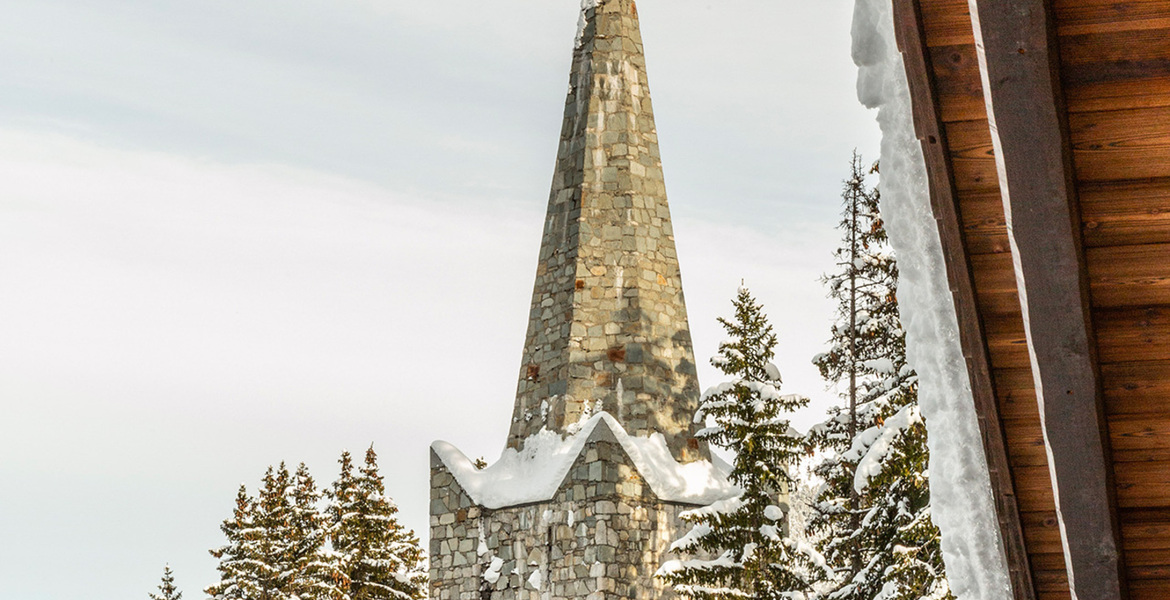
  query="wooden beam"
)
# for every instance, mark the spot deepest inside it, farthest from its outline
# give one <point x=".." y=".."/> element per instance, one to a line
<point x="931" y="133"/>
<point x="1019" y="65"/>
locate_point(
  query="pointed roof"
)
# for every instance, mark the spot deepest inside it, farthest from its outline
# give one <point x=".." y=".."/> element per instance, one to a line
<point x="608" y="324"/>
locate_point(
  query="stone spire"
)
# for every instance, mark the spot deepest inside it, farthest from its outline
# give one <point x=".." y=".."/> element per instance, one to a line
<point x="608" y="324"/>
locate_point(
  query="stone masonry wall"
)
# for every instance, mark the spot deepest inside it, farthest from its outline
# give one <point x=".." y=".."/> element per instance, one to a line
<point x="601" y="537"/>
<point x="608" y="325"/>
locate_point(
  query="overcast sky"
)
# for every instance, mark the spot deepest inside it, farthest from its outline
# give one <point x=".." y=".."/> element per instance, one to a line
<point x="235" y="232"/>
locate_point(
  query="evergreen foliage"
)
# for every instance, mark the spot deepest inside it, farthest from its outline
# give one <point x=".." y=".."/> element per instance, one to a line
<point x="753" y="556"/>
<point x="239" y="562"/>
<point x="380" y="558"/>
<point x="871" y="517"/>
<point x="316" y="570"/>
<point x="281" y="546"/>
<point x="167" y="589"/>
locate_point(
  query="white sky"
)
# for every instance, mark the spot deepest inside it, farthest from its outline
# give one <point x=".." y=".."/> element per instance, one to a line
<point x="235" y="232"/>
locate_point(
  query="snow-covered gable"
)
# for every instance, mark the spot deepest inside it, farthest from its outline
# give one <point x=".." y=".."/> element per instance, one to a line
<point x="535" y="473"/>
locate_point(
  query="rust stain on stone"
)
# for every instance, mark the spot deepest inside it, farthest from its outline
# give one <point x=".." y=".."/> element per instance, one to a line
<point x="616" y="354"/>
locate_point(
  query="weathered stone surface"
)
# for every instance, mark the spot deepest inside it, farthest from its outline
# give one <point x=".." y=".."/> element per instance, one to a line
<point x="608" y="313"/>
<point x="602" y="536"/>
<point x="607" y="331"/>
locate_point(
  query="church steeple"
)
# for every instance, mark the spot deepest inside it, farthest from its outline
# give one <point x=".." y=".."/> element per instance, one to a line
<point x="608" y="324"/>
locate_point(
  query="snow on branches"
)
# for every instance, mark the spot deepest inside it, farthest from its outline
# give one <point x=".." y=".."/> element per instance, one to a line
<point x="740" y="547"/>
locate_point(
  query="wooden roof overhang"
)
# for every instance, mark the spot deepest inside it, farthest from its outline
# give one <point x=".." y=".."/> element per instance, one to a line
<point x="1045" y="126"/>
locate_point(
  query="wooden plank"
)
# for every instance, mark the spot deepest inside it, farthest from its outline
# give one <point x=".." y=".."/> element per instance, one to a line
<point x="1140" y="433"/>
<point x="960" y="92"/>
<point x="1133" y="335"/>
<point x="1137" y="388"/>
<point x="1019" y="62"/>
<point x="1129" y="276"/>
<point x="1076" y="17"/>
<point x="1115" y="56"/>
<point x="1116" y="70"/>
<point x="934" y="138"/>
<point x="1123" y="144"/>
<point x="1159" y="572"/>
<point x="995" y="283"/>
<point x="1149" y="589"/>
<point x="972" y="156"/>
<point x="984" y="224"/>
<point x="1034" y="477"/>
<point x="1048" y="561"/>
<point x="1007" y="342"/>
<point x="1160" y="515"/>
<point x="1146" y="536"/>
<point x="1154" y="557"/>
<point x="1051" y="581"/>
<point x="1118" y="95"/>
<point x="946" y="22"/>
<point x="1142" y="455"/>
<point x="1026" y="449"/>
<point x="1151" y="473"/>
<point x="1017" y="396"/>
<point x="1116" y="213"/>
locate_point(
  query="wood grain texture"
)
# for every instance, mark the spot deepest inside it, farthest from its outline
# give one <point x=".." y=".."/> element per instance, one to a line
<point x="1139" y="432"/>
<point x="960" y="92"/>
<point x="1124" y="144"/>
<point x="1129" y="276"/>
<point x="946" y="22"/>
<point x="1007" y="342"/>
<point x="972" y="157"/>
<point x="1017" y="396"/>
<point x="995" y="283"/>
<point x="1137" y="388"/>
<point x="1116" y="70"/>
<point x="1119" y="213"/>
<point x="984" y="224"/>
<point x="1133" y="335"/>
<point x="1075" y="17"/>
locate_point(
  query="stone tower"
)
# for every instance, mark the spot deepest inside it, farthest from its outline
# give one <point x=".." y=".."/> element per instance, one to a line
<point x="601" y="459"/>
<point x="608" y="324"/>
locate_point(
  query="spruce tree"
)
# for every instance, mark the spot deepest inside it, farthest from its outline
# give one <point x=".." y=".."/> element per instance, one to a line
<point x="276" y="540"/>
<point x="380" y="559"/>
<point x="871" y="516"/>
<point x="745" y="539"/>
<point x="316" y="570"/>
<point x="257" y="563"/>
<point x="167" y="589"/>
<point x="239" y="560"/>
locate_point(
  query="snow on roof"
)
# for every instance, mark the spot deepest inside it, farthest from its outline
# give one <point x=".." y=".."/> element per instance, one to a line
<point x="535" y="473"/>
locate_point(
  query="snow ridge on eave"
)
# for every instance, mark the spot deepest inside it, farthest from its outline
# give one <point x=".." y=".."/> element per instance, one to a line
<point x="962" y="505"/>
<point x="537" y="472"/>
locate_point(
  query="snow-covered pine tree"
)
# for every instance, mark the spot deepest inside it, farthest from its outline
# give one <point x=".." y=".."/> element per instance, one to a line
<point x="239" y="558"/>
<point x="276" y="540"/>
<point x="872" y="516"/>
<point x="167" y="589"/>
<point x="381" y="559"/>
<point x="750" y="554"/>
<point x="316" y="570"/>
<point x="257" y="561"/>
